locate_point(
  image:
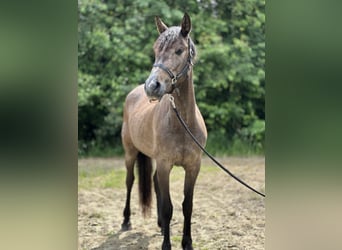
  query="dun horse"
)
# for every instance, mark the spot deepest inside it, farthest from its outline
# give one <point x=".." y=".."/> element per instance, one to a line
<point x="151" y="130"/>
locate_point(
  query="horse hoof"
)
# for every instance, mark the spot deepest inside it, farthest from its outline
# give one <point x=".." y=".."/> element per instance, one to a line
<point x="188" y="247"/>
<point x="126" y="226"/>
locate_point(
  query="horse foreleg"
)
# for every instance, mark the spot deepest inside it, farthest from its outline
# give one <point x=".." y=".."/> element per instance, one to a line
<point x="166" y="209"/>
<point x="157" y="190"/>
<point x="189" y="184"/>
<point x="126" y="225"/>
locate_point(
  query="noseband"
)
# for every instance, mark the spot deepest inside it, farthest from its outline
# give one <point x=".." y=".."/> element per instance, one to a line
<point x="185" y="69"/>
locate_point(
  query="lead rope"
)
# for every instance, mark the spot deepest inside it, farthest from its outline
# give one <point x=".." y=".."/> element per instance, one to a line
<point x="172" y="100"/>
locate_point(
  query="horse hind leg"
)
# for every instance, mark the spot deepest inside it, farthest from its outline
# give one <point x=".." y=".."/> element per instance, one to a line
<point x="129" y="162"/>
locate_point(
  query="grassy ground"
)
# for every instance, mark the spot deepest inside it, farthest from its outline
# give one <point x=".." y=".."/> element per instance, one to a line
<point x="226" y="215"/>
<point x="101" y="177"/>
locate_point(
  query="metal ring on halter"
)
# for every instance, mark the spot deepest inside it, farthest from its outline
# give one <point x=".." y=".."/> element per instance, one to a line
<point x="172" y="100"/>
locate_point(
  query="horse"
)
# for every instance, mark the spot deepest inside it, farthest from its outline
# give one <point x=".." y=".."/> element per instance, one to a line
<point x="151" y="130"/>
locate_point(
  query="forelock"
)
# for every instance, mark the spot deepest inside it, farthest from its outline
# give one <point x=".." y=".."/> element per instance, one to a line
<point x="167" y="38"/>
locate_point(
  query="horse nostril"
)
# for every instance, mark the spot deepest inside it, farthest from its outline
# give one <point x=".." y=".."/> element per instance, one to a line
<point x="154" y="85"/>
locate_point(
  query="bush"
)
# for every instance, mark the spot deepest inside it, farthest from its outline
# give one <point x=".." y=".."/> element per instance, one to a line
<point x="115" y="55"/>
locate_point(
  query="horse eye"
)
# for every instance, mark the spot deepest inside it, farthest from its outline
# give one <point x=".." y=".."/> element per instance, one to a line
<point x="179" y="51"/>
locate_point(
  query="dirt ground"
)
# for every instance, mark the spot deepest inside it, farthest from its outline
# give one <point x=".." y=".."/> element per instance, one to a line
<point x="226" y="215"/>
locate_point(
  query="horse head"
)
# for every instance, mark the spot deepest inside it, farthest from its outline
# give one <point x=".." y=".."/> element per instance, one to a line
<point x="174" y="52"/>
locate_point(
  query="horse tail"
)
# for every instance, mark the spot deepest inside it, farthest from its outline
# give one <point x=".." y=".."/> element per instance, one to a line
<point x="145" y="182"/>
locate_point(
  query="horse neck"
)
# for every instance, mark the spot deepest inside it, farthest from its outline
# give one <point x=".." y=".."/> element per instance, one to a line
<point x="185" y="100"/>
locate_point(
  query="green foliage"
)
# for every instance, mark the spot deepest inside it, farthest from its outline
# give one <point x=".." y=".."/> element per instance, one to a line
<point x="115" y="55"/>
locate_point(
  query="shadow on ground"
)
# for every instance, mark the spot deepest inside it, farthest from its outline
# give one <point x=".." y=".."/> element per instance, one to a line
<point x="125" y="240"/>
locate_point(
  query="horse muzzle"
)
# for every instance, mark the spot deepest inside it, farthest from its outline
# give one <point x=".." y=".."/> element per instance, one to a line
<point x="154" y="89"/>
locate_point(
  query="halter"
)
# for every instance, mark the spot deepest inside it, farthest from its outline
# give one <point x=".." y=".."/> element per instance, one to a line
<point x="185" y="69"/>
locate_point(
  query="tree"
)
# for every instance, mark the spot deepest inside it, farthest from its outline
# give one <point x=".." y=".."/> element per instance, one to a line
<point x="115" y="55"/>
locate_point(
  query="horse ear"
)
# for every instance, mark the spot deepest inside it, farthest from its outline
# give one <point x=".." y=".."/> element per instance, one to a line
<point x="160" y="25"/>
<point x="186" y="25"/>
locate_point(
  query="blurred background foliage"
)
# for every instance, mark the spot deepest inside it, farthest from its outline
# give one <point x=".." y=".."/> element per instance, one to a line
<point x="115" y="55"/>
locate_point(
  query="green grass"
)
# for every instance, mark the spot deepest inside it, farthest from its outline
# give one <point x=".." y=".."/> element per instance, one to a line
<point x="100" y="178"/>
<point x="104" y="152"/>
<point x="209" y="169"/>
<point x="176" y="238"/>
<point x="115" y="178"/>
<point x="217" y="144"/>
